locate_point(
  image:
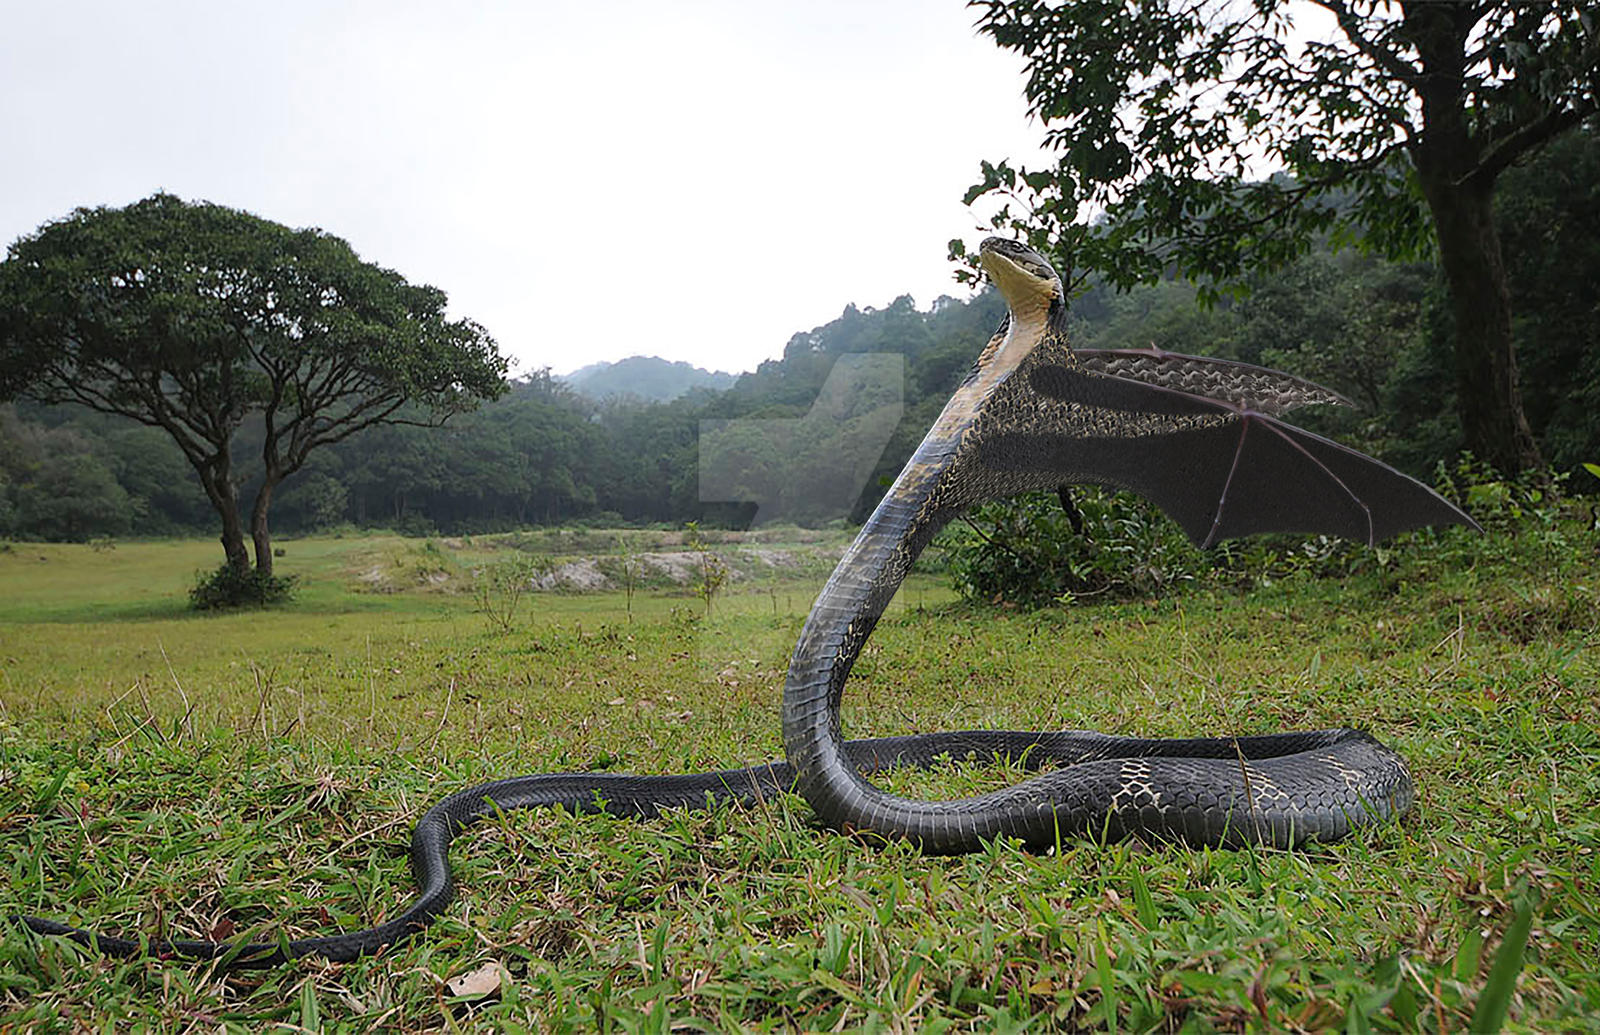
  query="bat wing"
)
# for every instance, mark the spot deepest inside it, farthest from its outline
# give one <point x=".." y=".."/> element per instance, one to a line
<point x="1219" y="468"/>
<point x="1244" y="384"/>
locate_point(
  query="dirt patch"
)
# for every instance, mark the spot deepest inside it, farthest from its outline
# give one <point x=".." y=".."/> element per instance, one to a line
<point x="583" y="574"/>
<point x="772" y="558"/>
<point x="429" y="568"/>
<point x="681" y="566"/>
<point x="666" y="567"/>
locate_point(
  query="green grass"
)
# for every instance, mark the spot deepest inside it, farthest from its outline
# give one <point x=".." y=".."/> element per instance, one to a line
<point x="166" y="772"/>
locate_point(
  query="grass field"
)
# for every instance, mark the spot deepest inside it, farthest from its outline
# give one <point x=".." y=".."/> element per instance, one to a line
<point x="196" y="775"/>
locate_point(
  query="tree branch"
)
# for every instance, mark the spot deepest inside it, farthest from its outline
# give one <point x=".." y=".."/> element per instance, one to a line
<point x="323" y="438"/>
<point x="1294" y="196"/>
<point x="1524" y="139"/>
<point x="96" y="393"/>
<point x="1388" y="60"/>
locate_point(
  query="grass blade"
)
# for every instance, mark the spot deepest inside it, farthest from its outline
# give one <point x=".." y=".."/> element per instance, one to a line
<point x="1495" y="1000"/>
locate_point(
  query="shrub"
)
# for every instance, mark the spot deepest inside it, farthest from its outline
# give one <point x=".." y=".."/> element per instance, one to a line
<point x="229" y="587"/>
<point x="498" y="588"/>
<point x="414" y="526"/>
<point x="1499" y="503"/>
<point x="713" y="570"/>
<point x="1027" y="552"/>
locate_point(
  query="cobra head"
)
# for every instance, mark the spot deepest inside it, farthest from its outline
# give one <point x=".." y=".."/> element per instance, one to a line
<point x="1026" y="279"/>
<point x="1037" y="305"/>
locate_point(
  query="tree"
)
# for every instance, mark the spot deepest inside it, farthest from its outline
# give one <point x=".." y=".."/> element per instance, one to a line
<point x="193" y="318"/>
<point x="1549" y="209"/>
<point x="1164" y="115"/>
<point x="54" y="486"/>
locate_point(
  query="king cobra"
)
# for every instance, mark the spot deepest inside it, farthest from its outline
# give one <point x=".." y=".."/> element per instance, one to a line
<point x="1197" y="436"/>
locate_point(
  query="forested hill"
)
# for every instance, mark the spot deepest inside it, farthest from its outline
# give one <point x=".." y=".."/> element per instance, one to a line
<point x="794" y="444"/>
<point x="543" y="453"/>
<point x="646" y="378"/>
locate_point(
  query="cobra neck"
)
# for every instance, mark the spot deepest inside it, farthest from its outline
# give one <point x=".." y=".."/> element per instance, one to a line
<point x="849" y="607"/>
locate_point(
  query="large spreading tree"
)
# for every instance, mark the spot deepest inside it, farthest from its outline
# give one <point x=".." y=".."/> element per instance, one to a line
<point x="1165" y="117"/>
<point x="195" y="318"/>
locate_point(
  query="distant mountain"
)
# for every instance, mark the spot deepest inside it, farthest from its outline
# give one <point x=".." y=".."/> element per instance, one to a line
<point x="645" y="377"/>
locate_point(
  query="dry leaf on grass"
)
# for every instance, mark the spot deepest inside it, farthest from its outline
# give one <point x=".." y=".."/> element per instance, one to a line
<point x="485" y="981"/>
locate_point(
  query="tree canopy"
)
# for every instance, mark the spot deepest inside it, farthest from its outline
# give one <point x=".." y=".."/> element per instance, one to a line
<point x="1203" y="138"/>
<point x="196" y="319"/>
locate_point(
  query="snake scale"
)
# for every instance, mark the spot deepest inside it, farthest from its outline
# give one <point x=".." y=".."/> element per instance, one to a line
<point x="1199" y="437"/>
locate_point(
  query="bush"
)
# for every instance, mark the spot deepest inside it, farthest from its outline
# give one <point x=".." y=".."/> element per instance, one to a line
<point x="229" y="587"/>
<point x="1027" y="552"/>
<point x="713" y="570"/>
<point x="498" y="588"/>
<point x="1501" y="504"/>
<point x="414" y="526"/>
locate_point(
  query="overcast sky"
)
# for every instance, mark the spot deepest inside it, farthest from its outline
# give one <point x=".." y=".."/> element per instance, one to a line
<point x="695" y="180"/>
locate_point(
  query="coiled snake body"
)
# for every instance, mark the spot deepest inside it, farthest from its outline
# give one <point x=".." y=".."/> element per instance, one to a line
<point x="1196" y="436"/>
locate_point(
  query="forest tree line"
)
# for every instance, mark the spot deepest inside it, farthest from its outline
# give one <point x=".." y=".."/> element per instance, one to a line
<point x="1377" y="331"/>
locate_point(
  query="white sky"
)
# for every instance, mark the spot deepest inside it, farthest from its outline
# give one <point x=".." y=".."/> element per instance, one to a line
<point x="591" y="180"/>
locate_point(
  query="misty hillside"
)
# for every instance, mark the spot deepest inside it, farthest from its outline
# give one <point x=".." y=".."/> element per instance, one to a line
<point x="646" y="378"/>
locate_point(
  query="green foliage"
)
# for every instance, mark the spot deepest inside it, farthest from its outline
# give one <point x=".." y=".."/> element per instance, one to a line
<point x="228" y="587"/>
<point x="812" y="468"/>
<point x="1204" y="138"/>
<point x="254" y="316"/>
<point x="1525" y="503"/>
<point x="645" y="378"/>
<point x="543" y="455"/>
<point x="1154" y="123"/>
<point x="56" y="485"/>
<point x="317" y="500"/>
<point x="1546" y="209"/>
<point x="713" y="570"/>
<point x="498" y="587"/>
<point x="194" y="317"/>
<point x="1027" y="552"/>
<point x="629" y="571"/>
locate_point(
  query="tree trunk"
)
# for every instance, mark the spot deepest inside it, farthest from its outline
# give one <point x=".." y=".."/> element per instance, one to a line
<point x="1490" y="401"/>
<point x="258" y="527"/>
<point x="218" y="483"/>
<point x="233" y="537"/>
<point x="1446" y="157"/>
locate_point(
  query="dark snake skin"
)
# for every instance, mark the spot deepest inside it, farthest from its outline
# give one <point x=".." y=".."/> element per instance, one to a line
<point x="644" y="797"/>
<point x="1280" y="789"/>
